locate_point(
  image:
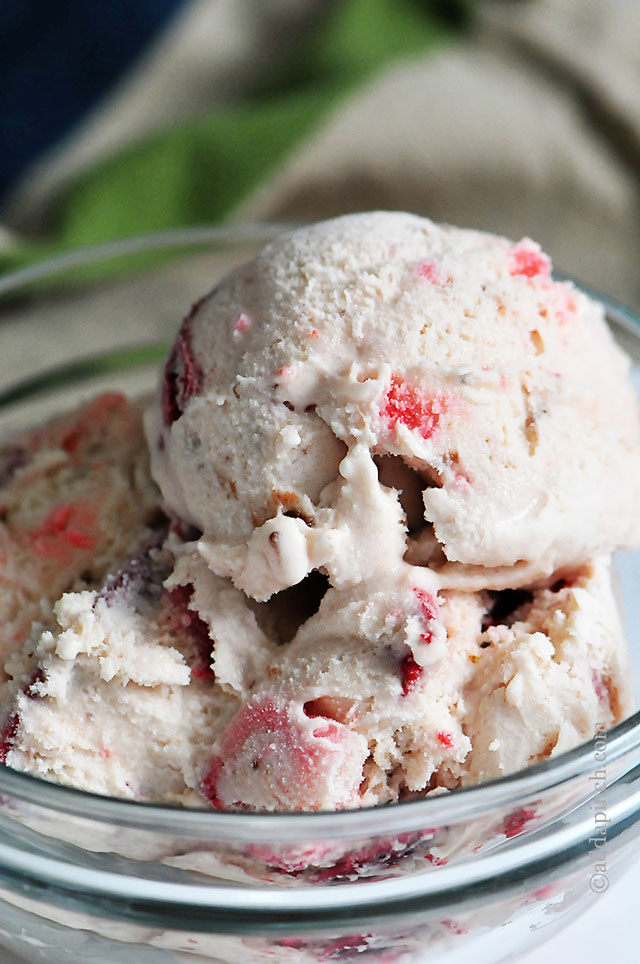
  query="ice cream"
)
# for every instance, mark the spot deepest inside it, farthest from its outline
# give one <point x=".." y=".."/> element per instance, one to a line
<point x="380" y="336"/>
<point x="395" y="459"/>
<point x="74" y="496"/>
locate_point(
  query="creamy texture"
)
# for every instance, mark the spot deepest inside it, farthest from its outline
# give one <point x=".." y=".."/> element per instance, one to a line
<point x="119" y="698"/>
<point x="395" y="459"/>
<point x="364" y="705"/>
<point x="75" y="495"/>
<point x="384" y="334"/>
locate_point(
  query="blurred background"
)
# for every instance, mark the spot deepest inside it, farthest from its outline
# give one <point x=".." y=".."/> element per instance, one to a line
<point x="516" y="116"/>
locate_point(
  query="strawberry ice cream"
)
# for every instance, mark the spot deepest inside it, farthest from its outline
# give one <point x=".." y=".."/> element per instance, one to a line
<point x="393" y="460"/>
<point x="384" y="336"/>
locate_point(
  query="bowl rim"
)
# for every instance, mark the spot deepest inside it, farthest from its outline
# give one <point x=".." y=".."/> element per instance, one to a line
<point x="282" y="827"/>
<point x="527" y="854"/>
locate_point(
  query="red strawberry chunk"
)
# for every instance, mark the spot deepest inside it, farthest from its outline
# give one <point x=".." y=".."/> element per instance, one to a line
<point x="8" y="735"/>
<point x="344" y="947"/>
<point x="182" y="373"/>
<point x="328" y="731"/>
<point x="409" y="406"/>
<point x="67" y="527"/>
<point x="374" y="858"/>
<point x="411" y="673"/>
<point x="516" y="822"/>
<point x="80" y="540"/>
<point x="271" y="751"/>
<point x="436" y="861"/>
<point x="411" y="669"/>
<point x="195" y="627"/>
<point x="72" y="439"/>
<point x="525" y="259"/>
<point x="427" y="603"/>
<point x="209" y="784"/>
<point x="429" y="611"/>
<point x="454" y="927"/>
<point x="543" y="893"/>
<point x="243" y="325"/>
<point x="445" y="738"/>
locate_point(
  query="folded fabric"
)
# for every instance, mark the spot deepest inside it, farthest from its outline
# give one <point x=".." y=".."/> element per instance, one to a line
<point x="56" y="60"/>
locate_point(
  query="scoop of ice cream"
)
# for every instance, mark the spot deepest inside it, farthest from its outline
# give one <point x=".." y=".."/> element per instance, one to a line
<point x="398" y="689"/>
<point x="119" y="698"/>
<point x="75" y="495"/>
<point x="378" y="380"/>
<point x="140" y="692"/>
<point x="549" y="678"/>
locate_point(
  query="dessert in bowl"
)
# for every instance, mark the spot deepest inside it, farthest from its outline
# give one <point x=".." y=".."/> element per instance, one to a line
<point x="406" y="593"/>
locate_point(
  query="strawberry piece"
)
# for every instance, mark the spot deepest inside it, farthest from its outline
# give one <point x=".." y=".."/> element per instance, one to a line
<point x="407" y="405"/>
<point x="429" y="610"/>
<point x="411" y="670"/>
<point x="454" y="927"/>
<point x="376" y="858"/>
<point x="445" y="738"/>
<point x="182" y="374"/>
<point x="195" y="627"/>
<point x="516" y="822"/>
<point x="344" y="947"/>
<point x="209" y="784"/>
<point x="525" y="259"/>
<point x="72" y="439"/>
<point x="271" y="750"/>
<point x="8" y="735"/>
<point x="328" y="731"/>
<point x="411" y="673"/>
<point x="431" y="271"/>
<point x="67" y="527"/>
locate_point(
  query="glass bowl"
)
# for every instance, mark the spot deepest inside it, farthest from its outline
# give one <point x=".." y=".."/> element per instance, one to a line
<point x="480" y="873"/>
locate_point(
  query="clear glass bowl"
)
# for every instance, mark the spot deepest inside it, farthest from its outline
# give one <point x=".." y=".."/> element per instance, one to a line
<point x="481" y="873"/>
